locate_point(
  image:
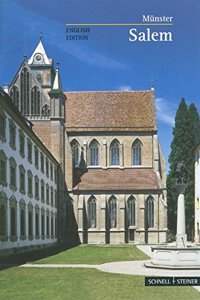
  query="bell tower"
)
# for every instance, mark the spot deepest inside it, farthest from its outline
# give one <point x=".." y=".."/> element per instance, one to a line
<point x="42" y="67"/>
<point x="36" y="90"/>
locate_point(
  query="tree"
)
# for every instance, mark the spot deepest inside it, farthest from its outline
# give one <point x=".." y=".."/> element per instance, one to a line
<point x="193" y="142"/>
<point x="186" y="134"/>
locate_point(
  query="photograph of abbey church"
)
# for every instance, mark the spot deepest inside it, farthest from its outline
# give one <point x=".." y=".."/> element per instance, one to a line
<point x="78" y="167"/>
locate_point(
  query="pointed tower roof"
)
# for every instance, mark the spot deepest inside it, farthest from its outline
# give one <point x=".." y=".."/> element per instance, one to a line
<point x="39" y="56"/>
<point x="57" y="81"/>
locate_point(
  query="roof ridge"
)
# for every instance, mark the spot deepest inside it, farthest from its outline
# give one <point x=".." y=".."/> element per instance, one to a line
<point x="110" y="91"/>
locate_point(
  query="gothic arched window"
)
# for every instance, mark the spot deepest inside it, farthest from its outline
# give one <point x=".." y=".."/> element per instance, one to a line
<point x="75" y="153"/>
<point x="137" y="153"/>
<point x="112" y="212"/>
<point x="24" y="86"/>
<point x="94" y="153"/>
<point x="35" y="101"/>
<point x="14" y="94"/>
<point x="150" y="212"/>
<point x="46" y="111"/>
<point x="131" y="211"/>
<point x="2" y="220"/>
<point x="114" y="153"/>
<point x="92" y="212"/>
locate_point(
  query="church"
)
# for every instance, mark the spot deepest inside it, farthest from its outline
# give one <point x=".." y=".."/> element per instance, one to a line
<point x="112" y="179"/>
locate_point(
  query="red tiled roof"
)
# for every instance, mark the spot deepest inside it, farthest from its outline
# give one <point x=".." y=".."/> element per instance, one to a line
<point x="110" y="111"/>
<point x="118" y="179"/>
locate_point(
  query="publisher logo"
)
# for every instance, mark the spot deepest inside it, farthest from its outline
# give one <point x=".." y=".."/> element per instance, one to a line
<point x="172" y="281"/>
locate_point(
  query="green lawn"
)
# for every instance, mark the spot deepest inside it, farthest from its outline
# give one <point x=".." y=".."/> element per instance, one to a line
<point x="83" y="284"/>
<point x="93" y="254"/>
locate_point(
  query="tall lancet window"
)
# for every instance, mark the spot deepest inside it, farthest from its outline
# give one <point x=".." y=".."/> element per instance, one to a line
<point x="131" y="211"/>
<point x="24" y="85"/>
<point x="14" y="94"/>
<point x="91" y="212"/>
<point x="75" y="153"/>
<point x="94" y="153"/>
<point x="114" y="153"/>
<point x="112" y="212"/>
<point x="137" y="153"/>
<point x="35" y="101"/>
<point x="150" y="212"/>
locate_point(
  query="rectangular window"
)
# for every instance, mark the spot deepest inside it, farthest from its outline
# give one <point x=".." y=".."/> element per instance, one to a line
<point x="42" y="191"/>
<point x="36" y="157"/>
<point x="30" y="224"/>
<point x="42" y="162"/>
<point x="52" y="227"/>
<point x="12" y="128"/>
<point x="47" y="219"/>
<point x="51" y="171"/>
<point x="13" y="176"/>
<point x="29" y="146"/>
<point x="52" y="197"/>
<point x="22" y="182"/>
<point x="2" y="126"/>
<point x="30" y="186"/>
<point x="42" y="223"/>
<point x="21" y="144"/>
<point x="55" y="199"/>
<point x="37" y="224"/>
<point x="47" y="167"/>
<point x="36" y="188"/>
<point x="55" y="175"/>
<point x="47" y="194"/>
<point x="22" y="222"/>
<point x="3" y="171"/>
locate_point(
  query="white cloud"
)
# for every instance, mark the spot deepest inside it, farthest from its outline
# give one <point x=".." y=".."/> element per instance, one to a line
<point x="165" y="112"/>
<point x="90" y="56"/>
<point x="125" y="88"/>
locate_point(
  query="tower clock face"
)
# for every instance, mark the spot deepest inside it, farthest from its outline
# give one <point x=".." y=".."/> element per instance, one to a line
<point x="38" y="58"/>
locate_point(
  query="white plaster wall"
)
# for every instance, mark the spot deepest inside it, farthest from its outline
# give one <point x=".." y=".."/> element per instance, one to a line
<point x="7" y="190"/>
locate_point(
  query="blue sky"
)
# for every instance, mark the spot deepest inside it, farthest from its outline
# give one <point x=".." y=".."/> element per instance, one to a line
<point x="108" y="61"/>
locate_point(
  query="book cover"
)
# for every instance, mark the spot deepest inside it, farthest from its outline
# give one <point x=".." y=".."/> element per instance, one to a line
<point x="105" y="80"/>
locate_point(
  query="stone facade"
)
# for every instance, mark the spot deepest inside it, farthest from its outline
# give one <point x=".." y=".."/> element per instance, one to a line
<point x="123" y="233"/>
